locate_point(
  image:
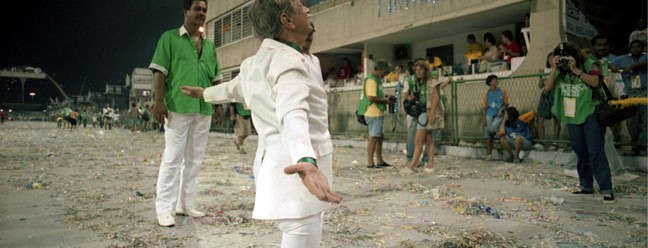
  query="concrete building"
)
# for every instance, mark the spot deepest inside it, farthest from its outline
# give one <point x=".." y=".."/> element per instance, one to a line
<point x="402" y="30"/>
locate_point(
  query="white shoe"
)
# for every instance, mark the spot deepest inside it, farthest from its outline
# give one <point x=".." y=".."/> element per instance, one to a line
<point x="166" y="219"/>
<point x="571" y="173"/>
<point x="192" y="212"/>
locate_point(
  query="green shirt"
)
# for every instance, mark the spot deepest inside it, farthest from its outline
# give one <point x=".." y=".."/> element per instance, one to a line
<point x="364" y="101"/>
<point x="572" y="87"/>
<point x="240" y="110"/>
<point x="176" y="57"/>
<point x="421" y="88"/>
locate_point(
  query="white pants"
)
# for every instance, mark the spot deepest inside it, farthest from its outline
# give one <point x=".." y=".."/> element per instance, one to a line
<point x="301" y="233"/>
<point x="186" y="138"/>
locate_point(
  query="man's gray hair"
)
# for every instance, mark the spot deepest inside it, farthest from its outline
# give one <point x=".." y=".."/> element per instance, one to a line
<point x="265" y="16"/>
<point x="381" y="64"/>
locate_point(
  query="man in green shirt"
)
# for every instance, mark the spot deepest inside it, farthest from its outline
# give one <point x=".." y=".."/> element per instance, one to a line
<point x="183" y="56"/>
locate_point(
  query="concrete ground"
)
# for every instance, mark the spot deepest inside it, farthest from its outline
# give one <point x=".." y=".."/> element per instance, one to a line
<point x="95" y="188"/>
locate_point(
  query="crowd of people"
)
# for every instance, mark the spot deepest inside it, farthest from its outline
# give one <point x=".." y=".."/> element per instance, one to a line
<point x="136" y="118"/>
<point x="571" y="91"/>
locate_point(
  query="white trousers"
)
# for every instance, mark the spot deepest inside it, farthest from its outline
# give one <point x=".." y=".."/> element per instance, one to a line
<point x="301" y="233"/>
<point x="185" y="138"/>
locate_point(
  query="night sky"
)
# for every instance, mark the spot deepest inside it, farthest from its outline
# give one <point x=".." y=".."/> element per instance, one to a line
<point x="97" y="41"/>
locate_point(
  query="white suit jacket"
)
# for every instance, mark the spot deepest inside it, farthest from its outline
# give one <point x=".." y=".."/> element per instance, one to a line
<point x="285" y="93"/>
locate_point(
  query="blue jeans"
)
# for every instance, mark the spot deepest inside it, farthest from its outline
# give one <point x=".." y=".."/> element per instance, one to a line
<point x="588" y="142"/>
<point x="410" y="142"/>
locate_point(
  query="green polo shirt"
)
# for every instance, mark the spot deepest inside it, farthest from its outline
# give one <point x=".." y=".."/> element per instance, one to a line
<point x="176" y="57"/>
<point x="573" y="87"/>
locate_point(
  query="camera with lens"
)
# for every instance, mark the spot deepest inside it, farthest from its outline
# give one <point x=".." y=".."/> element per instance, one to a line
<point x="563" y="60"/>
<point x="414" y="107"/>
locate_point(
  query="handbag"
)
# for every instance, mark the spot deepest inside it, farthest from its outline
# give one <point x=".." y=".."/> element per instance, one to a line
<point x="361" y="118"/>
<point x="609" y="115"/>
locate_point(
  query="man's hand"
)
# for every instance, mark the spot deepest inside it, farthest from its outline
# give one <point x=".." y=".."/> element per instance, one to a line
<point x="191" y="91"/>
<point x="315" y="181"/>
<point x="160" y="112"/>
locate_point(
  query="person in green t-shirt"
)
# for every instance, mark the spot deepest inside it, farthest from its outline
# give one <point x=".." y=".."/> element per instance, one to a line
<point x="376" y="104"/>
<point x="574" y="105"/>
<point x="183" y="56"/>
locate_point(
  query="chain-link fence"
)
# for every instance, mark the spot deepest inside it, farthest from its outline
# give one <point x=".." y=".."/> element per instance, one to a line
<point x="463" y="106"/>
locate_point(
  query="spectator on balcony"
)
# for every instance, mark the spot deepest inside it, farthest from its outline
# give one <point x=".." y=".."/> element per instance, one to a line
<point x="474" y="51"/>
<point x="435" y="64"/>
<point x="396" y="75"/>
<point x="494" y="101"/>
<point x="491" y="55"/>
<point x="330" y="80"/>
<point x="359" y="76"/>
<point x="346" y="71"/>
<point x="509" y="47"/>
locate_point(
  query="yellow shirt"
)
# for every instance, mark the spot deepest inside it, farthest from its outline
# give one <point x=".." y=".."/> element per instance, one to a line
<point x="371" y="88"/>
<point x="393" y="77"/>
<point x="437" y="62"/>
<point x="474" y="51"/>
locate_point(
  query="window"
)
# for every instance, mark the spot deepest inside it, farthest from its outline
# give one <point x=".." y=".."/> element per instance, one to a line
<point x="232" y="26"/>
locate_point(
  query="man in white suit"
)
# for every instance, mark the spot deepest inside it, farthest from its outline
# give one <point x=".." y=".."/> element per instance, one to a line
<point x="293" y="165"/>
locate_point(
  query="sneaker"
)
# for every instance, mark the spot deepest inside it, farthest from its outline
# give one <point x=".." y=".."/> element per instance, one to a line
<point x="406" y="171"/>
<point x="571" y="173"/>
<point x="192" y="212"/>
<point x="583" y="192"/>
<point x="428" y="170"/>
<point x="166" y="220"/>
<point x="608" y="198"/>
<point x="489" y="158"/>
<point x="384" y="164"/>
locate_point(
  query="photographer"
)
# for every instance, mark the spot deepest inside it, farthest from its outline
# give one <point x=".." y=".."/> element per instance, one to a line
<point x="577" y="92"/>
<point x="416" y="107"/>
<point x="413" y="89"/>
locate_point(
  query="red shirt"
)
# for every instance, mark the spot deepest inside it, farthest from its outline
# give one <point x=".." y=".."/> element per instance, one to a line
<point x="345" y="72"/>
<point x="514" y="47"/>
